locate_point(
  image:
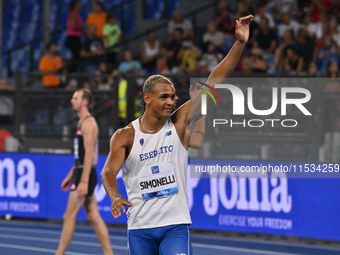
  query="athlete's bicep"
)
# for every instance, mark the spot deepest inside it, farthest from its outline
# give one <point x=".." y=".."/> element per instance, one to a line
<point x="182" y="115"/>
<point x="116" y="156"/>
<point x="89" y="135"/>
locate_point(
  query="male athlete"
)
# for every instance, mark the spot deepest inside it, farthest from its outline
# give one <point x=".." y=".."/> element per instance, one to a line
<point x="153" y="151"/>
<point x="82" y="177"/>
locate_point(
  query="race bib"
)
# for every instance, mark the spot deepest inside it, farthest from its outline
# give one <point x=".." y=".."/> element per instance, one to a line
<point x="157" y="180"/>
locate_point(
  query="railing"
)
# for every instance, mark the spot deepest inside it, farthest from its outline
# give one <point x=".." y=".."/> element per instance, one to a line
<point x="46" y="113"/>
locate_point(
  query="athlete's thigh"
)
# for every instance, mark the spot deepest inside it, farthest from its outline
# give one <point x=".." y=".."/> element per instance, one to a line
<point x="177" y="241"/>
<point x="91" y="206"/>
<point x="140" y="243"/>
<point x="75" y="202"/>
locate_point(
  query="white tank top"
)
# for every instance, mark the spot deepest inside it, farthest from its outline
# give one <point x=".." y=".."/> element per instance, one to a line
<point x="151" y="52"/>
<point x="155" y="177"/>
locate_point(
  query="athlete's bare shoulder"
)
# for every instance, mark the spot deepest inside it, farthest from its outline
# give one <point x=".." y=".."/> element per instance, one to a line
<point x="124" y="136"/>
<point x="90" y="125"/>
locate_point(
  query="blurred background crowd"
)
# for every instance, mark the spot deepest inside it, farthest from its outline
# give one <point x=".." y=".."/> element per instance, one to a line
<point x="287" y="37"/>
<point x="112" y="46"/>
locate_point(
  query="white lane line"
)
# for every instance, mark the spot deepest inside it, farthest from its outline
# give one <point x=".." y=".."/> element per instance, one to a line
<point x="54" y="240"/>
<point x="274" y="242"/>
<point x="28" y="248"/>
<point x="54" y="232"/>
<point x="113" y="237"/>
<point x="249" y="251"/>
<point x="119" y="247"/>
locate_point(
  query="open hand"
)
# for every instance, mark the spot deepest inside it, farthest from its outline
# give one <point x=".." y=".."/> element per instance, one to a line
<point x="118" y="203"/>
<point x="242" y="28"/>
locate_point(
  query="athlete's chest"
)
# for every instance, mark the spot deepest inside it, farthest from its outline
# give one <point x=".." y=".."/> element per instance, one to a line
<point x="155" y="147"/>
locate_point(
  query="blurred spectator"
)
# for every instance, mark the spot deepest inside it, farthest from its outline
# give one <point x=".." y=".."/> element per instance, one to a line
<point x="293" y="63"/>
<point x="304" y="6"/>
<point x="249" y="7"/>
<point x="256" y="62"/>
<point x="245" y="65"/>
<point x="112" y="35"/>
<point x="314" y="29"/>
<point x="336" y="7"/>
<point x="332" y="69"/>
<point x="213" y="36"/>
<point x="189" y="55"/>
<point x="3" y="136"/>
<point x="318" y="6"/>
<point x="97" y="18"/>
<point x="263" y="13"/>
<point x="281" y="52"/>
<point x="105" y="72"/>
<point x="178" y="22"/>
<point x="6" y="103"/>
<point x="283" y="7"/>
<point x="242" y="10"/>
<point x="122" y="99"/>
<point x="332" y="72"/>
<point x="139" y="107"/>
<point x="320" y="26"/>
<point x="92" y="51"/>
<point x="129" y="65"/>
<point x="312" y="69"/>
<point x="306" y="48"/>
<point x="223" y="19"/>
<point x="74" y="33"/>
<point x="173" y="46"/>
<point x="287" y="24"/>
<point x="100" y="81"/>
<point x="151" y="49"/>
<point x="104" y="69"/>
<point x="210" y="58"/>
<point x="161" y="67"/>
<point x="266" y="38"/>
<point x="72" y="84"/>
<point x="52" y="63"/>
<point x="331" y="38"/>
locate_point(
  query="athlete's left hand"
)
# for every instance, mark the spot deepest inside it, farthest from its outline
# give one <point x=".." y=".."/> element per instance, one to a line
<point x="82" y="189"/>
<point x="242" y="28"/>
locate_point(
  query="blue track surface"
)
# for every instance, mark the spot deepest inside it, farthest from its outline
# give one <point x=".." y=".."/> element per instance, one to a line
<point x="40" y="238"/>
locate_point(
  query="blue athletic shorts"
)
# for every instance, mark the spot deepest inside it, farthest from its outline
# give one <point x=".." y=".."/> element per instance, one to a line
<point x="168" y="240"/>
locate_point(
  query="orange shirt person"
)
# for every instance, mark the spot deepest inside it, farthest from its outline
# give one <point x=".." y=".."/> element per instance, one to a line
<point x="97" y="18"/>
<point x="51" y="62"/>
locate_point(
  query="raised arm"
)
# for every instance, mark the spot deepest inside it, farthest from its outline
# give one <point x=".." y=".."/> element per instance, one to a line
<point x="228" y="64"/>
<point x="191" y="109"/>
<point x="119" y="144"/>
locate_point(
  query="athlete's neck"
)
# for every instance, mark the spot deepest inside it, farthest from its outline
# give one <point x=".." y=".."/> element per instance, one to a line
<point x="83" y="113"/>
<point x="152" y="123"/>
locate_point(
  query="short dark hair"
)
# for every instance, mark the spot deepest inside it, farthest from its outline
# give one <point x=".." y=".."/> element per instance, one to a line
<point x="110" y="16"/>
<point x="73" y="5"/>
<point x="100" y="4"/>
<point x="48" y="46"/>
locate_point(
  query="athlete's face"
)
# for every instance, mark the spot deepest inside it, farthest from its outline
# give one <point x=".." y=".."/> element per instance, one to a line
<point x="162" y="100"/>
<point x="77" y="101"/>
